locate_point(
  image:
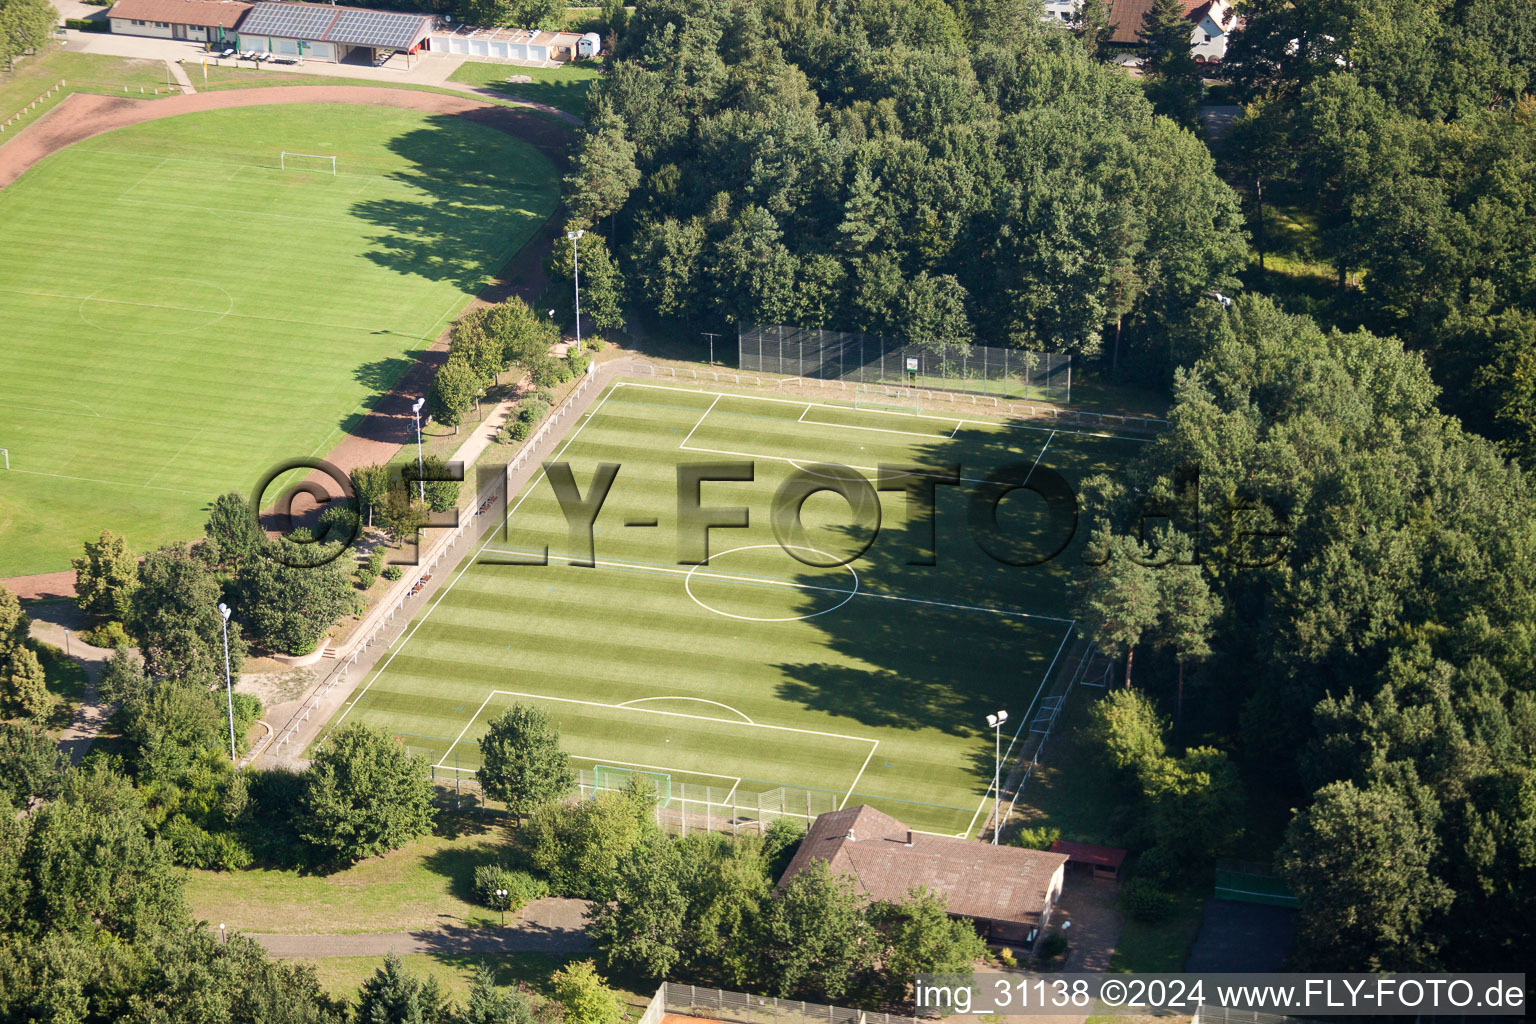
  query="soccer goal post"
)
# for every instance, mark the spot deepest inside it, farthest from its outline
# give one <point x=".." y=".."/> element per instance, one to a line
<point x="6" y="452"/>
<point x="606" y="778"/>
<point x="317" y="162"/>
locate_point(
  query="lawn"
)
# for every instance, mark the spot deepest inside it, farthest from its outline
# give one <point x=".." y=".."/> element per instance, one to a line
<point x="564" y="87"/>
<point x="1159" y="948"/>
<point x="756" y="673"/>
<point x="424" y="884"/>
<point x="181" y="313"/>
<point x="80" y="72"/>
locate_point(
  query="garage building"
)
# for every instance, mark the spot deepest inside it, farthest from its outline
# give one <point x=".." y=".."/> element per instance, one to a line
<point x="353" y="35"/>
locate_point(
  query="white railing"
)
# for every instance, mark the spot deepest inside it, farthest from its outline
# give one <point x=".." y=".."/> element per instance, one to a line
<point x="741" y="1008"/>
<point x="24" y="111"/>
<point x="385" y="623"/>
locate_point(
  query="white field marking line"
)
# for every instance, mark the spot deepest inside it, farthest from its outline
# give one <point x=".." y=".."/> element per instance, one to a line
<point x="183" y="309"/>
<point x="770" y="581"/>
<point x="1026" y="718"/>
<point x="797" y="462"/>
<point x="684" y="714"/>
<point x="461" y="731"/>
<point x="877" y="430"/>
<point x="147" y="175"/>
<point x="701" y="420"/>
<point x="401" y="643"/>
<point x="1006" y="424"/>
<point x="108" y="483"/>
<point x="701" y="700"/>
<point x="859" y="776"/>
<point x="801" y="418"/>
<point x="212" y="209"/>
<point x="729" y="796"/>
<point x="596" y="761"/>
<point x="173" y="458"/>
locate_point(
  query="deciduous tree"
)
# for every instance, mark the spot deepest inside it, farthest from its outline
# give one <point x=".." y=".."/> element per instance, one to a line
<point x="364" y="795"/>
<point x="105" y="577"/>
<point x="521" y="763"/>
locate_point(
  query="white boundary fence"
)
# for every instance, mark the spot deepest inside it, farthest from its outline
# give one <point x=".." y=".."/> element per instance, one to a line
<point x="388" y="620"/>
<point x="741" y="1008"/>
<point x="953" y="399"/>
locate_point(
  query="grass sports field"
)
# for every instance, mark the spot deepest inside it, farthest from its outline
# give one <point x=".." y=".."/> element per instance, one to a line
<point x="180" y="313"/>
<point x="863" y="683"/>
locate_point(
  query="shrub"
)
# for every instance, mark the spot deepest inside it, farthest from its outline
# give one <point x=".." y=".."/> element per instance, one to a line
<point x="1160" y="866"/>
<point x="339" y="522"/>
<point x="89" y="24"/>
<point x="521" y="887"/>
<point x="576" y="363"/>
<point x="532" y="410"/>
<point x="376" y="560"/>
<point x="1036" y="838"/>
<point x="1006" y="957"/>
<point x="393" y="572"/>
<point x="1144" y="902"/>
<point x="365" y="577"/>
<point x="110" y="635"/>
<point x="1055" y="945"/>
<point x="595" y="344"/>
<point x="247" y="711"/>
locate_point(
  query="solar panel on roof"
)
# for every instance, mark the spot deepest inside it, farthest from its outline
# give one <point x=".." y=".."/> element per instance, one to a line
<point x="288" y="20"/>
<point x="381" y="29"/>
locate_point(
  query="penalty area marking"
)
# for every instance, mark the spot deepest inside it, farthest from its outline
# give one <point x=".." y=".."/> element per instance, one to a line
<point x="701" y="700"/>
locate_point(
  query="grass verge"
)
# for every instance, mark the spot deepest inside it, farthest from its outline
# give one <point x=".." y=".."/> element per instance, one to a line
<point x="564" y="87"/>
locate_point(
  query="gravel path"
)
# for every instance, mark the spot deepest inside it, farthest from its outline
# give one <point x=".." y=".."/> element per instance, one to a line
<point x="552" y="925"/>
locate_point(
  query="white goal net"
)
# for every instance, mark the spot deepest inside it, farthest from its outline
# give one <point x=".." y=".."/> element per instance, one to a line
<point x="315" y="163"/>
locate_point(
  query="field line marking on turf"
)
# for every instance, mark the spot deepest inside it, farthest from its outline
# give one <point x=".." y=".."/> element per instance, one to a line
<point x="770" y="581"/>
<point x="701" y="700"/>
<point x="185" y="309"/>
<point x="109" y="483"/>
<point x="1026" y="719"/>
<point x="490" y="536"/>
<point x="1006" y="423"/>
<point x="701" y="420"/>
<point x="684" y="714"/>
<point x="732" y="793"/>
<point x="650" y="767"/>
<point x="466" y="724"/>
<point x="147" y="175"/>
<point x="807" y="409"/>
<point x="873" y="430"/>
<point x="859" y="776"/>
<point x="797" y="462"/>
<point x="173" y="458"/>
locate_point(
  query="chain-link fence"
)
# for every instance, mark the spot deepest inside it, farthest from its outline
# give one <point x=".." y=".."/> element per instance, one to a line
<point x="683" y="807"/>
<point x="872" y="359"/>
<point x="740" y="1008"/>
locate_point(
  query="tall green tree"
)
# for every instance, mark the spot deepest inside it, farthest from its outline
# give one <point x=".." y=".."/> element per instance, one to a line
<point x="105" y="577"/>
<point x="371" y="484"/>
<point x="488" y="1004"/>
<point x="287" y="606"/>
<point x="231" y="525"/>
<point x="31" y="764"/>
<point x="25" y="26"/>
<point x="24" y="686"/>
<point x="176" y="622"/>
<point x="1094" y="28"/>
<point x="521" y="763"/>
<point x="921" y="937"/>
<point x="578" y="847"/>
<point x="1117" y="598"/>
<point x="453" y="390"/>
<point x="364" y="795"/>
<point x="604" y="173"/>
<point x="816" y="941"/>
<point x="1360" y="862"/>
<point x="586" y="998"/>
<point x="395" y="995"/>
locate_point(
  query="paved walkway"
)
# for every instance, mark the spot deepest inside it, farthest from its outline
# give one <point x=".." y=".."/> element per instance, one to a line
<point x="50" y="623"/>
<point x="552" y="925"/>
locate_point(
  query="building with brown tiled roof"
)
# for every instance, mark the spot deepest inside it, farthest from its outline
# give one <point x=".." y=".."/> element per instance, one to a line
<point x="201" y="21"/>
<point x="1211" y="23"/>
<point x="1006" y="891"/>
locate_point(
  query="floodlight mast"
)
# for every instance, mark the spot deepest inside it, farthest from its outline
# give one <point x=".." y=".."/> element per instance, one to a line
<point x="996" y="722"/>
<point x="575" y="237"/>
<point x="421" y="474"/>
<point x="229" y="686"/>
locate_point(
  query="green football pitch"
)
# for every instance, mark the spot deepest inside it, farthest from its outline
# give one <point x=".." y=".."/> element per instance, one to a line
<point x="755" y="672"/>
<point x="180" y="312"/>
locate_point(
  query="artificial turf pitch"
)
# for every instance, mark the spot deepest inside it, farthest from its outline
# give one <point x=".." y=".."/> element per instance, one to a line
<point x="867" y="683"/>
<point x="180" y="314"/>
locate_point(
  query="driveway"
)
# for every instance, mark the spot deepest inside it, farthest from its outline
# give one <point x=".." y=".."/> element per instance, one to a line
<point x="1088" y="904"/>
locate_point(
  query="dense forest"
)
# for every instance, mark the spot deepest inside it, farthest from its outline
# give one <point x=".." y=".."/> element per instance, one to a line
<point x="958" y="173"/>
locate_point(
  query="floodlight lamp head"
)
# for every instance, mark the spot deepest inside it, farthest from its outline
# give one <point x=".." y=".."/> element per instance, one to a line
<point x="416" y="407"/>
<point x="1002" y="716"/>
<point x="224" y="610"/>
<point x="573" y="235"/>
<point x="992" y="721"/>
